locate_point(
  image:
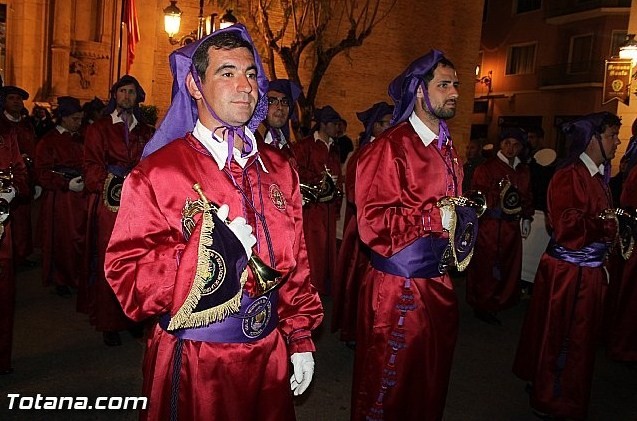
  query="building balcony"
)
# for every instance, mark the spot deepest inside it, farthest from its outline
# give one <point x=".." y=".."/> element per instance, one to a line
<point x="578" y="73"/>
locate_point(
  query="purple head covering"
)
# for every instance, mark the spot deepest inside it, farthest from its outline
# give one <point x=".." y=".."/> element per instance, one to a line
<point x="182" y="113"/>
<point x="371" y="116"/>
<point x="581" y="131"/>
<point x="67" y="105"/>
<point x="402" y="90"/>
<point x="291" y="90"/>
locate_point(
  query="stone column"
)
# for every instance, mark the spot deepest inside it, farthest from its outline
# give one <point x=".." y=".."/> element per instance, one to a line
<point x="61" y="48"/>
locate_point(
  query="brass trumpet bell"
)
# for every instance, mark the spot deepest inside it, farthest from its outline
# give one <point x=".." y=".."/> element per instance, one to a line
<point x="323" y="192"/>
<point x="266" y="278"/>
<point x="6" y="179"/>
<point x="477" y="200"/>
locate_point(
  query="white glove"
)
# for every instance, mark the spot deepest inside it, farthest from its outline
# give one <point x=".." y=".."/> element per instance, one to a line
<point x="9" y="194"/>
<point x="240" y="228"/>
<point x="37" y="192"/>
<point x="445" y="214"/>
<point x="526" y="228"/>
<point x="2" y="219"/>
<point x="76" y="184"/>
<point x="303" y="364"/>
<point x="334" y="178"/>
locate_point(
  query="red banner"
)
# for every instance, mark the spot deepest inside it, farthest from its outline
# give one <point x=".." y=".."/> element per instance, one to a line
<point x="617" y="78"/>
<point x="132" y="31"/>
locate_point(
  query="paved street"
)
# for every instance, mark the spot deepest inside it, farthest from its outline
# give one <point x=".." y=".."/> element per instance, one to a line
<point x="57" y="353"/>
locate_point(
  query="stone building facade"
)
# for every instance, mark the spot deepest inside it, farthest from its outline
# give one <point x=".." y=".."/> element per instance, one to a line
<point x="70" y="47"/>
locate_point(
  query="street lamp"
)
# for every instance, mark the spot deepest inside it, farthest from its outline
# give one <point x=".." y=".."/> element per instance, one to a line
<point x="205" y="24"/>
<point x="485" y="80"/>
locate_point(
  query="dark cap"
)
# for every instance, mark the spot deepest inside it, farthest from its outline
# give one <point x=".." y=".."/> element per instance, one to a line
<point x="9" y="90"/>
<point x="129" y="80"/>
<point x="514" y="133"/>
<point x="326" y="115"/>
<point x="67" y="105"/>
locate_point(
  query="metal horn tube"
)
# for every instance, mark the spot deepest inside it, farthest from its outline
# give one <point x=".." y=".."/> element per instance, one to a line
<point x="266" y="277"/>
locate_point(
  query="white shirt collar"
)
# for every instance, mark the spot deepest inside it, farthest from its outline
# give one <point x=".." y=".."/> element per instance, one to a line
<point x="12" y="118"/>
<point x="268" y="137"/>
<point x="590" y="165"/>
<point x="218" y="147"/>
<point x="516" y="160"/>
<point x="424" y="132"/>
<point x="117" y="119"/>
<point x="61" y="129"/>
<point x="329" y="139"/>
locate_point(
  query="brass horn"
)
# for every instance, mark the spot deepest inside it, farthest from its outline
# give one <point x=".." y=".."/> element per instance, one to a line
<point x="325" y="191"/>
<point x="266" y="278"/>
<point x="474" y="199"/>
<point x="6" y="182"/>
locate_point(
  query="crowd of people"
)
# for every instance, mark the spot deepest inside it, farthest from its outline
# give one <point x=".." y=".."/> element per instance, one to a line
<point x="214" y="237"/>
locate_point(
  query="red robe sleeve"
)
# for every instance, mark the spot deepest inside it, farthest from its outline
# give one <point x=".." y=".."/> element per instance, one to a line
<point x="95" y="159"/>
<point x="575" y="200"/>
<point x="45" y="158"/>
<point x="629" y="190"/>
<point x="390" y="214"/>
<point x="300" y="310"/>
<point x="143" y="251"/>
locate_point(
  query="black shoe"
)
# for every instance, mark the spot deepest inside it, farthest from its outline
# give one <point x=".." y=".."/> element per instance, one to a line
<point x="487" y="317"/>
<point x="6" y="371"/>
<point x="63" y="290"/>
<point x="111" y="338"/>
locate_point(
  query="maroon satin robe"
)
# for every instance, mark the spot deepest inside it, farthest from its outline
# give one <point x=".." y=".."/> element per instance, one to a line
<point x="493" y="276"/>
<point x="21" y="206"/>
<point x="319" y="219"/>
<point x="563" y="323"/>
<point x="352" y="262"/>
<point x="224" y="381"/>
<point x="398" y="182"/>
<point x="62" y="211"/>
<point x="105" y="145"/>
<point x="622" y="341"/>
<point x="9" y="157"/>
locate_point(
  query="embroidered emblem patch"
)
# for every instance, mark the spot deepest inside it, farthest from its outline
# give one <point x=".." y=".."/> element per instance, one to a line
<point x="217" y="269"/>
<point x="254" y="326"/>
<point x="276" y="196"/>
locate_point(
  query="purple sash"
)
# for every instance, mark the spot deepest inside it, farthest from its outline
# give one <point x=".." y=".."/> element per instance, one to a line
<point x="257" y="319"/>
<point x="420" y="259"/>
<point x="591" y="256"/>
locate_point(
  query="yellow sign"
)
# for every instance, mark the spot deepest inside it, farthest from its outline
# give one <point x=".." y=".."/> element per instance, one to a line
<point x="617" y="77"/>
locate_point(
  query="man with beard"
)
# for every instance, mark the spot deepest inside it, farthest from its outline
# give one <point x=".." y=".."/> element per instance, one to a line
<point x="493" y="278"/>
<point x="58" y="169"/>
<point x="222" y="344"/>
<point x="282" y="96"/>
<point x="408" y="310"/>
<point x="113" y="146"/>
<point x="562" y="328"/>
<point x="12" y="99"/>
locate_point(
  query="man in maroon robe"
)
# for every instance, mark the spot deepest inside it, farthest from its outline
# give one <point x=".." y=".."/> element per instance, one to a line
<point x="12" y="99"/>
<point x="562" y="328"/>
<point x="316" y="154"/>
<point x="353" y="255"/>
<point x="113" y="146"/>
<point x="408" y="309"/>
<point x="223" y="344"/>
<point x="10" y="187"/>
<point x="622" y="335"/>
<point x="63" y="209"/>
<point x="493" y="277"/>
